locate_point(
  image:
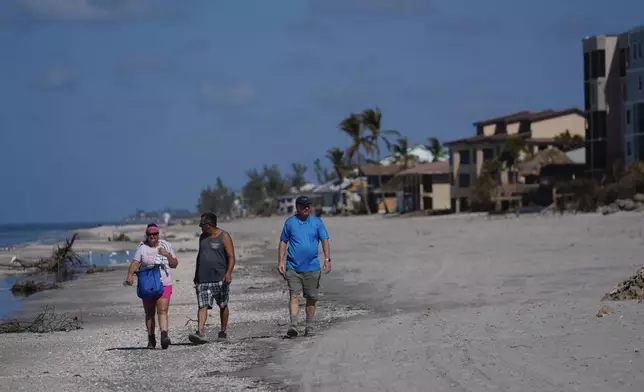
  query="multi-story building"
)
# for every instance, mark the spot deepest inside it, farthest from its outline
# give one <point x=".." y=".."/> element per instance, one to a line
<point x="613" y="98"/>
<point x="538" y="129"/>
<point x="632" y="44"/>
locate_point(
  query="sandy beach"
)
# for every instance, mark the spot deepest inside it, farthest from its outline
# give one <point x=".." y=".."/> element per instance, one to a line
<point x="452" y="303"/>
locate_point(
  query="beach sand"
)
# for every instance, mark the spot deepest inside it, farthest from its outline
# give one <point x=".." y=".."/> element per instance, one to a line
<point x="107" y="353"/>
<point x="451" y="303"/>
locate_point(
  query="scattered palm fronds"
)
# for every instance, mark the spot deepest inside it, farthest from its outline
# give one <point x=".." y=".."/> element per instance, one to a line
<point x="47" y="321"/>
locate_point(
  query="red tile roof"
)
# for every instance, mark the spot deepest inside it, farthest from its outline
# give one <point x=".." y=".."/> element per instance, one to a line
<point x="530" y="116"/>
<point x="441" y="167"/>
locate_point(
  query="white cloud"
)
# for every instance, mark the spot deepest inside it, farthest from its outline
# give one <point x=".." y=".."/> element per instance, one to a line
<point x="82" y="10"/>
<point x="91" y="10"/>
<point x="240" y="94"/>
<point x="63" y="79"/>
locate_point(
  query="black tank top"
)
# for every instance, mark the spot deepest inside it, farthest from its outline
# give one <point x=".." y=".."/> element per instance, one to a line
<point x="212" y="259"/>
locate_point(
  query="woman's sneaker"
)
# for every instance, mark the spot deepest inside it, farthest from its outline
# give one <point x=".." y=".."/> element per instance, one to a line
<point x="165" y="340"/>
<point x="152" y="341"/>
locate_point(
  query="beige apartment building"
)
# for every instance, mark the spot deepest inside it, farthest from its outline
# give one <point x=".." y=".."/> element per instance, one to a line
<point x="539" y="129"/>
<point x="614" y="99"/>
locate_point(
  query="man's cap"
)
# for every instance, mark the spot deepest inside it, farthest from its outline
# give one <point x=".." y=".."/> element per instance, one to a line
<point x="152" y="228"/>
<point x="302" y="201"/>
<point x="209" y="218"/>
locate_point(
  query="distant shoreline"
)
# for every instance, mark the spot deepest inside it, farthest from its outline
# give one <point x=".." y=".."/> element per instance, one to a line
<point x="94" y="239"/>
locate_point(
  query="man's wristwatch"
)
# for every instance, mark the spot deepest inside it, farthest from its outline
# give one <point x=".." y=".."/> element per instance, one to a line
<point x="329" y="260"/>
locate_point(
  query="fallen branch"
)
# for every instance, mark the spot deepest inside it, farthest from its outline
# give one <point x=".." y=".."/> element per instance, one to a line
<point x="47" y="321"/>
<point x="31" y="287"/>
<point x="191" y="320"/>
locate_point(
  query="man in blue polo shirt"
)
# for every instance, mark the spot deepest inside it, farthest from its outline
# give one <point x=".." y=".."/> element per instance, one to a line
<point x="302" y="234"/>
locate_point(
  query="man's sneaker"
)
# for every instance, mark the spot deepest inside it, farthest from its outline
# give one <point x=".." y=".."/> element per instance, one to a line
<point x="165" y="340"/>
<point x="197" y="338"/>
<point x="292" y="332"/>
<point x="308" y="331"/>
<point x="152" y="341"/>
<point x="222" y="335"/>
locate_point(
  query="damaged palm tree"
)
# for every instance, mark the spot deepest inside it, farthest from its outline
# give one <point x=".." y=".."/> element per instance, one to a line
<point x="64" y="258"/>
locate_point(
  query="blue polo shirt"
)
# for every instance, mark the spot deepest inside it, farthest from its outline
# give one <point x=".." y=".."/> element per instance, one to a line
<point x="303" y="238"/>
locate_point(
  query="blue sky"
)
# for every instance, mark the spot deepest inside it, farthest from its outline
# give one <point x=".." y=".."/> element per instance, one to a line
<point x="141" y="103"/>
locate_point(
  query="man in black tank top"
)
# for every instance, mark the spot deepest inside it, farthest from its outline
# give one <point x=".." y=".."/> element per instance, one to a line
<point x="213" y="274"/>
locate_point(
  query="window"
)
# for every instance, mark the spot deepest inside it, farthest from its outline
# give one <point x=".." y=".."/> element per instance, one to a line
<point x="465" y="157"/>
<point x="638" y="117"/>
<point x="479" y="130"/>
<point x="464" y="203"/>
<point x="501" y="128"/>
<point x="624" y="92"/>
<point x="601" y="63"/>
<point x="623" y="62"/>
<point x="586" y="96"/>
<point x="586" y="66"/>
<point x="628" y="149"/>
<point x="488" y="154"/>
<point x="597" y="64"/>
<point x="598" y="160"/>
<point x="628" y="117"/>
<point x="639" y="79"/>
<point x="598" y="124"/>
<point x="634" y="50"/>
<point x="464" y="180"/>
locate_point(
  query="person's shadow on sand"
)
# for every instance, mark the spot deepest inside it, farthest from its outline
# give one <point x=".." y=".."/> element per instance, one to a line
<point x="145" y="348"/>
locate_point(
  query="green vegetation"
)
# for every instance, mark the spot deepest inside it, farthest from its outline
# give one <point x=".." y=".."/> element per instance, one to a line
<point x="365" y="133"/>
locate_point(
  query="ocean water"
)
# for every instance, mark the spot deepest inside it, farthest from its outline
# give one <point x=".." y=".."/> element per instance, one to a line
<point x="16" y="234"/>
<point x="12" y="235"/>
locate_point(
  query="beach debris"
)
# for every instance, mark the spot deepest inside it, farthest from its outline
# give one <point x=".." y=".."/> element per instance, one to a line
<point x="119" y="237"/>
<point x="46" y="321"/>
<point x="94" y="269"/>
<point x="31" y="287"/>
<point x="631" y="288"/>
<point x="606" y="311"/>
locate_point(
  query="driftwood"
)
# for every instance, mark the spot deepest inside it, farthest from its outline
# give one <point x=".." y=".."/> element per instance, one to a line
<point x="47" y="321"/>
<point x="31" y="287"/>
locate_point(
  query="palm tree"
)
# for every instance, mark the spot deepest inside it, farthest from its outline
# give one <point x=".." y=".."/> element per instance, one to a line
<point x="401" y="153"/>
<point x="352" y="126"/>
<point x="568" y="141"/>
<point x="336" y="157"/>
<point x="512" y="153"/>
<point x="372" y="119"/>
<point x="438" y="151"/>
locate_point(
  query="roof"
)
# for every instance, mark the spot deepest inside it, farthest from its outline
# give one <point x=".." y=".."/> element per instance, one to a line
<point x="440" y="167"/>
<point x="372" y="169"/>
<point x="420" y="151"/>
<point x="578" y="155"/>
<point x="543" y="158"/>
<point x="333" y="186"/>
<point x="527" y="115"/>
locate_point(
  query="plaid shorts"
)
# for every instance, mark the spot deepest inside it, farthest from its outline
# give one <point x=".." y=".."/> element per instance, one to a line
<point x="211" y="292"/>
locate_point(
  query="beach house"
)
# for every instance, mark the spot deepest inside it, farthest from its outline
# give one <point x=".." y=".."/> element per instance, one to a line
<point x="538" y="130"/>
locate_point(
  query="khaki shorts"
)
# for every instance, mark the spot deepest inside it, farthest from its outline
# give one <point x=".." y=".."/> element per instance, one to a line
<point x="303" y="282"/>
